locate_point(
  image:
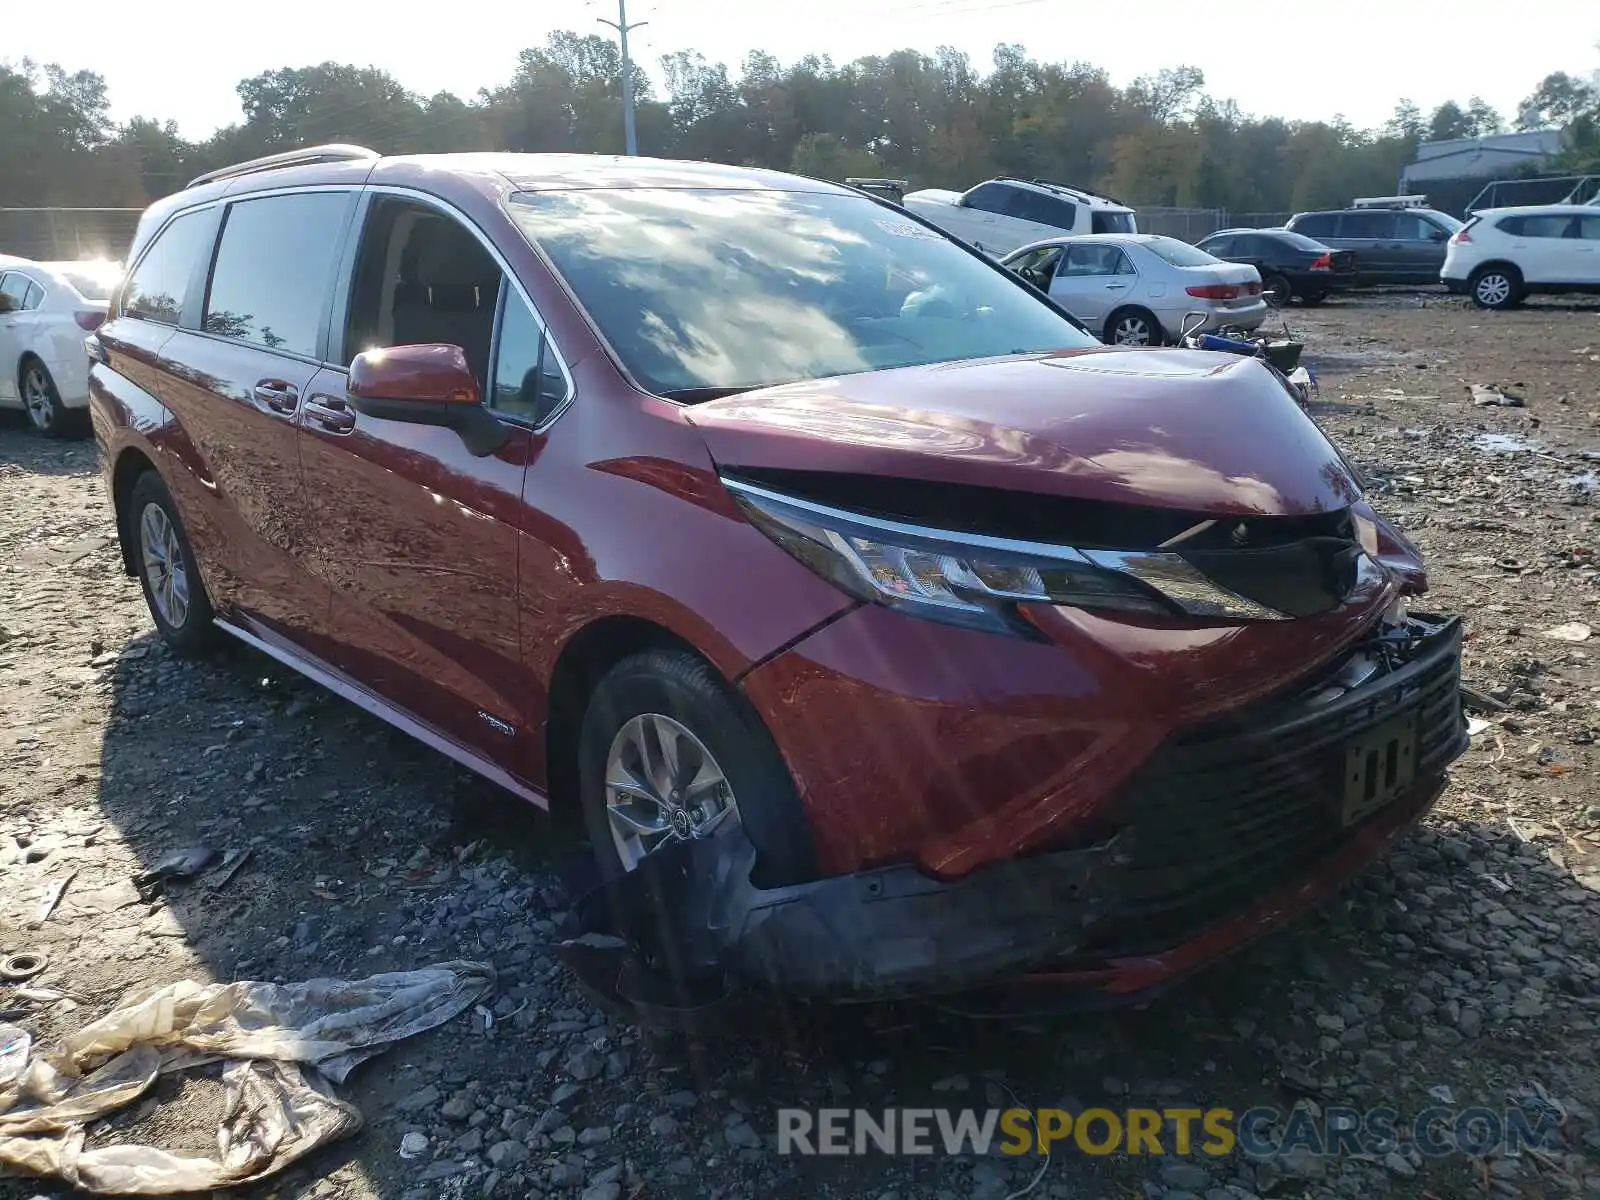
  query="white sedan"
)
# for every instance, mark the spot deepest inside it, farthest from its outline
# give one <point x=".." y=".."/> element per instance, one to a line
<point x="1141" y="289"/>
<point x="46" y="310"/>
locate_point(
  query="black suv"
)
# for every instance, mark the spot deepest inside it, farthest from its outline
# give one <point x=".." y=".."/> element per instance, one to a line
<point x="1393" y="243"/>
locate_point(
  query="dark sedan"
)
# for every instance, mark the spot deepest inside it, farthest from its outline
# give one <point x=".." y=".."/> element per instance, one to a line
<point x="1291" y="264"/>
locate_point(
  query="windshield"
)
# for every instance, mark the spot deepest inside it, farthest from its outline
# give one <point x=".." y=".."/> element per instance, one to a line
<point x="707" y="291"/>
<point x="1102" y="221"/>
<point x="1298" y="240"/>
<point x="1180" y="254"/>
<point x="92" y="286"/>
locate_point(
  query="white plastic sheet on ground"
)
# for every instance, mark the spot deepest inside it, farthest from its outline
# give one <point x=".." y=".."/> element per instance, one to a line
<point x="282" y="1044"/>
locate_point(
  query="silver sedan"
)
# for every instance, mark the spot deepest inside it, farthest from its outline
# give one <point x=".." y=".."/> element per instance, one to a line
<point x="1141" y="289"/>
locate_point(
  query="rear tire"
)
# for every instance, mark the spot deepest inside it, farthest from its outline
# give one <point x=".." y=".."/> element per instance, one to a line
<point x="1278" y="290"/>
<point x="167" y="570"/>
<point x="671" y="695"/>
<point x="46" y="414"/>
<point x="1496" y="287"/>
<point x="1133" y="327"/>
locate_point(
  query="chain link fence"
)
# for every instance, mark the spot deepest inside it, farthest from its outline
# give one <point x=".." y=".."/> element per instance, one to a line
<point x="66" y="234"/>
<point x="1192" y="224"/>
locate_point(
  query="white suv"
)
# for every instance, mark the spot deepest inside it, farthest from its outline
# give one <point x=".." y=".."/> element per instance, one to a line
<point x="1502" y="255"/>
<point x="1002" y="214"/>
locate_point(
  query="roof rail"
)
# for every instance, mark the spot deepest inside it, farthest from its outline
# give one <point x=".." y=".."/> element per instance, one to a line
<point x="332" y="152"/>
<point x="1389" y="202"/>
<point x="1080" y="193"/>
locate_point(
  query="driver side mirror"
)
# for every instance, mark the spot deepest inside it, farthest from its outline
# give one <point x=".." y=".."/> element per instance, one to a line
<point x="428" y="384"/>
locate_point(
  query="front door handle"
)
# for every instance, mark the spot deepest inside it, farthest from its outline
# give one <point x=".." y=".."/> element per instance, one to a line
<point x="331" y="412"/>
<point x="277" y="395"/>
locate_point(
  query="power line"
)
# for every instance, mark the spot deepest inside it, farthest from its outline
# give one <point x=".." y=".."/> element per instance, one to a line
<point x="622" y="27"/>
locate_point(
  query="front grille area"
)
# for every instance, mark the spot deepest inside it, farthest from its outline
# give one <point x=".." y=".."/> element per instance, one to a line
<point x="1225" y="814"/>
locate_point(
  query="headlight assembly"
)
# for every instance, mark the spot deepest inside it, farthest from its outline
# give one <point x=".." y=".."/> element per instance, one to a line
<point x="976" y="580"/>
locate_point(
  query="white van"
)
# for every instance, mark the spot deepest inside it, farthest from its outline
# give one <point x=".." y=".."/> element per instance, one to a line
<point x="1001" y="214"/>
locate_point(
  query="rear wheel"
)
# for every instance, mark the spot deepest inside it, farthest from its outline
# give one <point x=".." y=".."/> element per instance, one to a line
<point x="1495" y="287"/>
<point x="1277" y="290"/>
<point x="46" y="413"/>
<point x="1133" y="327"/>
<point x="167" y="570"/>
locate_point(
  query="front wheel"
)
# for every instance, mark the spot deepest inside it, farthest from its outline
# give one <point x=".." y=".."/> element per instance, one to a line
<point x="167" y="570"/>
<point x="1495" y="287"/>
<point x="1132" y="327"/>
<point x="668" y="754"/>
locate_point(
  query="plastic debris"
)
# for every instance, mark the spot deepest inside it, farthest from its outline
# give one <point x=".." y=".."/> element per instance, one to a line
<point x="282" y="1046"/>
<point x="1576" y="631"/>
<point x="1491" y="396"/>
<point x="179" y="865"/>
<point x="14" y="1045"/>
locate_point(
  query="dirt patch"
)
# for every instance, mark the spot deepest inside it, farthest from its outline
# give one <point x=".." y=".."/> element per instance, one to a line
<point x="1466" y="966"/>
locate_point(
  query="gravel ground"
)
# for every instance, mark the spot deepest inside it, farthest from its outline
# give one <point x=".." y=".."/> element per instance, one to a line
<point x="1463" y="971"/>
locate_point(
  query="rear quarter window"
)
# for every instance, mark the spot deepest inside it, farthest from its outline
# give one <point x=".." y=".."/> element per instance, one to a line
<point x="1111" y="222"/>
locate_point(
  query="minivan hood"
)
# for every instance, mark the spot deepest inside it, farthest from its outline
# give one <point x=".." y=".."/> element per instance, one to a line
<point x="1212" y="433"/>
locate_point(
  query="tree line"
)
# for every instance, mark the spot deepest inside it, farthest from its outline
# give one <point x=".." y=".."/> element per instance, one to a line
<point x="934" y="120"/>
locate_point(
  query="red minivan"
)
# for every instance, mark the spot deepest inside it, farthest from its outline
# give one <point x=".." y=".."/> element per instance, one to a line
<point x="892" y="635"/>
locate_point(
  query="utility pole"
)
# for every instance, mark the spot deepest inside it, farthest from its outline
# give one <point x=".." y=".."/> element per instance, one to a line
<point x="622" y="27"/>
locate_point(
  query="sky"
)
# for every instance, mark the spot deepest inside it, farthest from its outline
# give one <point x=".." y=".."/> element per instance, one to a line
<point x="1299" y="60"/>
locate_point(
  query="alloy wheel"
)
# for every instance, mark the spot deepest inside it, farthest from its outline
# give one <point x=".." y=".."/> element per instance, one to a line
<point x="164" y="568"/>
<point x="36" y="396"/>
<point x="1493" y="290"/>
<point x="1131" y="331"/>
<point x="662" y="786"/>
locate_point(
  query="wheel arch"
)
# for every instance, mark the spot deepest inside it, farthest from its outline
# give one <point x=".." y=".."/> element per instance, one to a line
<point x="130" y="464"/>
<point x="1498" y="264"/>
<point x="582" y="662"/>
<point x="1158" y="330"/>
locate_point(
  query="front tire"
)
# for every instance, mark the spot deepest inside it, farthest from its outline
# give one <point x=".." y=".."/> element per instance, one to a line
<point x="1133" y="327"/>
<point x="668" y="752"/>
<point x="1495" y="287"/>
<point x="46" y="414"/>
<point x="167" y="570"/>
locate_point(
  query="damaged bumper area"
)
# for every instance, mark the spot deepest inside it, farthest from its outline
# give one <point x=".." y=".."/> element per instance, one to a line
<point x="1229" y="830"/>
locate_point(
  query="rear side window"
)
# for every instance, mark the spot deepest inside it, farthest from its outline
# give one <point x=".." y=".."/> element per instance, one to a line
<point x="156" y="288"/>
<point x="274" y="270"/>
<point x="1221" y="247"/>
<point x="14" y="288"/>
<point x="1041" y="209"/>
<point x="1539" y="225"/>
<point x="1368" y="225"/>
<point x="988" y="197"/>
<point x="1110" y="222"/>
<point x="1315" y="225"/>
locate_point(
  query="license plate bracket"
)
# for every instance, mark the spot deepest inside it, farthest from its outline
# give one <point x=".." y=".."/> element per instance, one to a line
<point x="1379" y="765"/>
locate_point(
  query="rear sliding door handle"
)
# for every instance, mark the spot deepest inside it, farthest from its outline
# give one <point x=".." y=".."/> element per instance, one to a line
<point x="277" y="395"/>
<point x="332" y="413"/>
